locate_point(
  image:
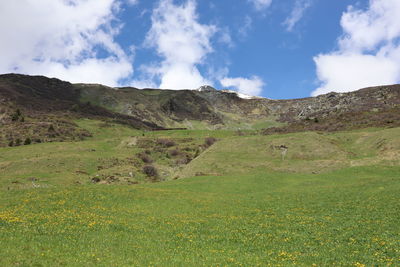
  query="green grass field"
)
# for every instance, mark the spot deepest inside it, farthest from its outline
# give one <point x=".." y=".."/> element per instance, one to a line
<point x="333" y="201"/>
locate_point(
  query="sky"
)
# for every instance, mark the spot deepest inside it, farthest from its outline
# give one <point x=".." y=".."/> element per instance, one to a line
<point x="278" y="49"/>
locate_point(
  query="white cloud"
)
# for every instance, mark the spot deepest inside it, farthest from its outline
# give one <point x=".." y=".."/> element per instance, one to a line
<point x="297" y="13"/>
<point x="59" y="38"/>
<point x="369" y="50"/>
<point x="225" y="37"/>
<point x="142" y="84"/>
<point x="261" y="4"/>
<point x="245" y="27"/>
<point x="182" y="42"/>
<point x="252" y="86"/>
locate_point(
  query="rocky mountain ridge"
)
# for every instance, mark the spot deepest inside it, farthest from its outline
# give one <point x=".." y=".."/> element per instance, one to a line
<point x="30" y="104"/>
<point x="221" y="108"/>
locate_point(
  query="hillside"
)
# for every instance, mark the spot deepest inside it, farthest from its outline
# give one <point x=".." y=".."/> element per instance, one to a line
<point x="38" y="109"/>
<point x="214" y="109"/>
<point x="331" y="200"/>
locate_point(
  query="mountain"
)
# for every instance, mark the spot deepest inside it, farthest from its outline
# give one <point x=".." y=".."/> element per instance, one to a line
<point x="44" y="109"/>
<point x="35" y="109"/>
<point x="214" y="109"/>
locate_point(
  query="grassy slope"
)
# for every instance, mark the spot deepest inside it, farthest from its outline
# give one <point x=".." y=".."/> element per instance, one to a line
<point x="255" y="213"/>
<point x="71" y="162"/>
<point x="63" y="163"/>
<point x="308" y="152"/>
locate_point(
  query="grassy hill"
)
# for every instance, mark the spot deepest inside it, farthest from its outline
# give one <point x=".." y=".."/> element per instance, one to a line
<point x="332" y="200"/>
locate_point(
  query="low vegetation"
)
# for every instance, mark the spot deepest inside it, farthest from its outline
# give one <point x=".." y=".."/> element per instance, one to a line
<point x="331" y="200"/>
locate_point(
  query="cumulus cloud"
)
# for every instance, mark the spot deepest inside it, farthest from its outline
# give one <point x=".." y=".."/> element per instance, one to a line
<point x="368" y="51"/>
<point x="297" y="13"/>
<point x="182" y="42"/>
<point x="59" y="38"/>
<point x="250" y="86"/>
<point x="261" y="4"/>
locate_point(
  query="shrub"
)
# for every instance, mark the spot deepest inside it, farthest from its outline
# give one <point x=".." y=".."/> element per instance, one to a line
<point x="174" y="152"/>
<point x="197" y="152"/>
<point x="18" y="142"/>
<point x="150" y="171"/>
<point x="75" y="108"/>
<point x="145" y="158"/>
<point x="209" y="141"/>
<point x="239" y="133"/>
<point x="16" y="115"/>
<point x="183" y="161"/>
<point x="27" y="141"/>
<point x="166" y="142"/>
<point x="95" y="180"/>
<point x="11" y="143"/>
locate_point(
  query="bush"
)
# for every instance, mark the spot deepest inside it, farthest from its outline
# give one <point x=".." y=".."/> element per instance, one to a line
<point x="150" y="171"/>
<point x="174" y="152"/>
<point x="209" y="141"/>
<point x="11" y="143"/>
<point x="145" y="158"/>
<point x="27" y="141"/>
<point x="16" y="115"/>
<point x="18" y="142"/>
<point x="239" y="133"/>
<point x="166" y="142"/>
<point x="183" y="161"/>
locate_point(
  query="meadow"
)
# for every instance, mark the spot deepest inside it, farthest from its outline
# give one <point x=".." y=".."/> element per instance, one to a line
<point x="333" y="201"/>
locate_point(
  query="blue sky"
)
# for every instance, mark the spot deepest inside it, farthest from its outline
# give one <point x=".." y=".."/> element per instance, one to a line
<point x="276" y="49"/>
<point x="260" y="43"/>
